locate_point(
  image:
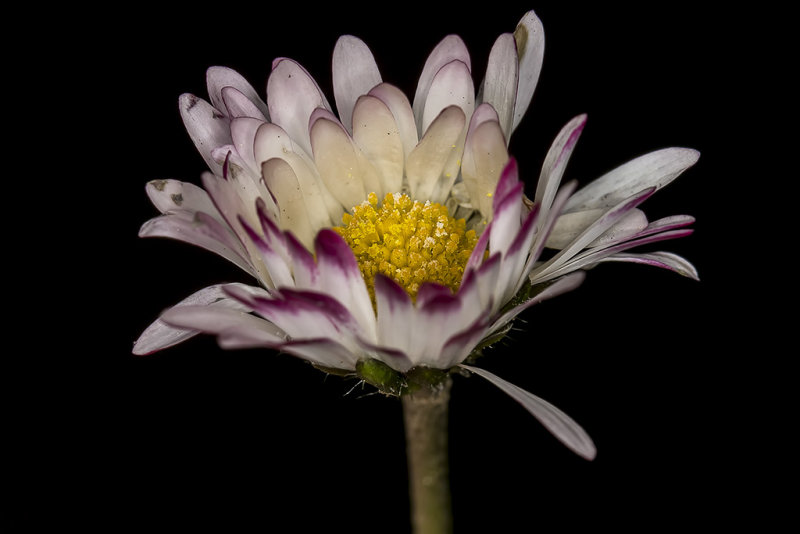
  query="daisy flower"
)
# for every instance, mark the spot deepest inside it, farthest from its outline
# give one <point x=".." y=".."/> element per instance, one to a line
<point x="392" y="239"/>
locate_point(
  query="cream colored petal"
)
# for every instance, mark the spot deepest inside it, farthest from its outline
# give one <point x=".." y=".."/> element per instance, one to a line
<point x="529" y="36"/>
<point x="428" y="163"/>
<point x="485" y="157"/>
<point x="338" y="163"/>
<point x="293" y="215"/>
<point x="377" y="135"/>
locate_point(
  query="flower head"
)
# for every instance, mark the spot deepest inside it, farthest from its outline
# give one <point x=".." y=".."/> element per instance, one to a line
<point x="394" y="239"/>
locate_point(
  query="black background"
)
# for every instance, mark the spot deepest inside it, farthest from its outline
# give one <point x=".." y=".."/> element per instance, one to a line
<point x="196" y="436"/>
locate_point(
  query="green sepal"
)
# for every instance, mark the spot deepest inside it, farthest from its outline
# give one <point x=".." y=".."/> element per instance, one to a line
<point x="378" y="374"/>
<point x="333" y="370"/>
<point x="423" y="377"/>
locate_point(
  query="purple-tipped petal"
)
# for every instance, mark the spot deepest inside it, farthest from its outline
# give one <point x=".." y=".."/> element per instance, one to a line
<point x="218" y="78"/>
<point x="238" y="105"/>
<point x="161" y="335"/>
<point x="590" y="234"/>
<point x="275" y="263"/>
<point x="555" y="163"/>
<point x="217" y="319"/>
<point x="304" y="268"/>
<point x="340" y="276"/>
<point x="506" y="221"/>
<point x="207" y="127"/>
<point x="354" y="73"/>
<point x="656" y="169"/>
<point x="323" y="351"/>
<point x="476" y="257"/>
<point x="664" y="260"/>
<point x="557" y="422"/>
<point x="395" y="321"/>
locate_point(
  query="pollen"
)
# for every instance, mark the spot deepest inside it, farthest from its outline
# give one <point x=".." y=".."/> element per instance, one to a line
<point x="409" y="241"/>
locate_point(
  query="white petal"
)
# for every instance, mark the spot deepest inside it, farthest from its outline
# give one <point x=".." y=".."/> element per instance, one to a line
<point x="243" y="135"/>
<point x="207" y="127"/>
<point x="666" y="260"/>
<point x="218" y="78"/>
<point x="569" y="225"/>
<point x="180" y="198"/>
<point x="160" y="335"/>
<point x="354" y="74"/>
<point x="452" y="86"/>
<point x="395" y="322"/>
<point x="217" y="319"/>
<point x="398" y="104"/>
<point x="450" y="49"/>
<point x="377" y="135"/>
<point x="529" y="36"/>
<point x="237" y="105"/>
<point x="203" y="231"/>
<point x="500" y="85"/>
<point x="428" y="162"/>
<point x="554" y="420"/>
<point x="292" y="95"/>
<point x="555" y="163"/>
<point x="655" y="169"/>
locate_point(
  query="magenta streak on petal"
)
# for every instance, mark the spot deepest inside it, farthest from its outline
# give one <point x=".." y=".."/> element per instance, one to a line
<point x="570" y="144"/>
<point x="332" y="248"/>
<point x="302" y="260"/>
<point x="594" y="255"/>
<point x="460" y="345"/>
<point x="441" y="304"/>
<point x="430" y="291"/>
<point x="509" y="179"/>
<point x="476" y="257"/>
<point x="514" y="194"/>
<point x="319" y="301"/>
<point x="525" y="232"/>
<point x="397" y="359"/>
<point x="390" y="292"/>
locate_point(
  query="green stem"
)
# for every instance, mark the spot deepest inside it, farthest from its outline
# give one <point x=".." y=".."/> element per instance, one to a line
<point x="425" y="413"/>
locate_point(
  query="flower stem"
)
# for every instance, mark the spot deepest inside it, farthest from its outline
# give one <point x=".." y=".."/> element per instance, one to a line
<point x="425" y="413"/>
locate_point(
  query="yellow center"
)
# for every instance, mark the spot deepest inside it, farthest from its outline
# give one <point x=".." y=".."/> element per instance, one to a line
<point x="409" y="241"/>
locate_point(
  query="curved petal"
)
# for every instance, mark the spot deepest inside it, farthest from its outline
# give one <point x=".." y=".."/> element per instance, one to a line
<point x="395" y="322"/>
<point x="161" y="335"/>
<point x="172" y="197"/>
<point x="398" y="104"/>
<point x="340" y="277"/>
<point x="292" y="95"/>
<point x="207" y="127"/>
<point x="283" y="184"/>
<point x="203" y="231"/>
<point x="449" y="49"/>
<point x="557" y="422"/>
<point x="569" y="225"/>
<point x="238" y="105"/>
<point x="451" y="86"/>
<point x="243" y="136"/>
<point x="500" y="85"/>
<point x="427" y="164"/>
<point x="529" y="36"/>
<point x="217" y="319"/>
<point x="556" y="162"/>
<point x="218" y="78"/>
<point x="665" y="260"/>
<point x="485" y="157"/>
<point x="377" y="135"/>
<point x="339" y="165"/>
<point x="656" y="169"/>
<point x="355" y="73"/>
